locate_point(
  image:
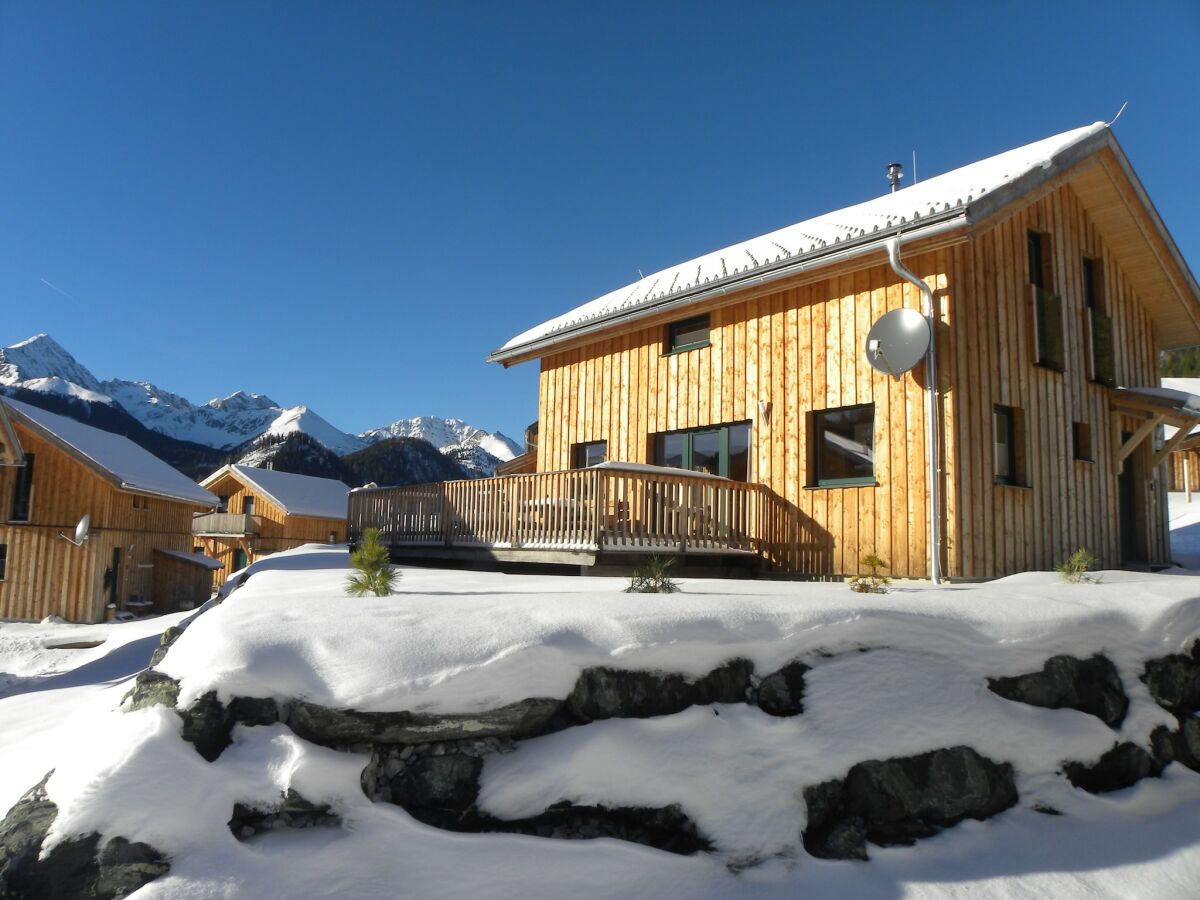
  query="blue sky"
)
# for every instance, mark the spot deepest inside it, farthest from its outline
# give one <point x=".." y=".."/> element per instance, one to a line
<point x="349" y="205"/>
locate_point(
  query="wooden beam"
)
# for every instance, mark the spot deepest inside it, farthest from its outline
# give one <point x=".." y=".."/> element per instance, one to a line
<point x="1144" y="431"/>
<point x="1176" y="439"/>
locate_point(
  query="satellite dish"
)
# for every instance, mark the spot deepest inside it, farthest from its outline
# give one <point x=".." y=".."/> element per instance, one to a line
<point x="898" y="341"/>
<point x="82" y="531"/>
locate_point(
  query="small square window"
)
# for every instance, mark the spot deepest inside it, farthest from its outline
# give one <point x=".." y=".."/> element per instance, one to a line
<point x="590" y="454"/>
<point x="844" y="446"/>
<point x="688" y="335"/>
<point x="1081" y="440"/>
<point x="1008" y="438"/>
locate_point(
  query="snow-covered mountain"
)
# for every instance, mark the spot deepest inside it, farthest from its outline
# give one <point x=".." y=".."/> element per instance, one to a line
<point x="472" y="447"/>
<point x="42" y="365"/>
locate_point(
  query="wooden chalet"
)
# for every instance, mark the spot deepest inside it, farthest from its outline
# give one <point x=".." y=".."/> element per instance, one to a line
<point x="1050" y="284"/>
<point x="261" y="511"/>
<point x="138" y="554"/>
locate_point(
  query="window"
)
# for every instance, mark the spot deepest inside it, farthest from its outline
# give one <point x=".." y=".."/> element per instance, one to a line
<point x="1047" y="307"/>
<point x="199" y="550"/>
<point x="687" y="335"/>
<point x="718" y="450"/>
<point x="23" y="491"/>
<point x="1008" y="438"/>
<point x="1100" y="327"/>
<point x="844" y="446"/>
<point x="223" y="503"/>
<point x="590" y="454"/>
<point x="3" y="560"/>
<point x="1081" y="440"/>
<point x="142" y="503"/>
<point x="248" y="506"/>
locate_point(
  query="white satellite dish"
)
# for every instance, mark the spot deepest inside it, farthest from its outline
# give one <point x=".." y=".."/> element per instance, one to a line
<point x="898" y="341"/>
<point x="82" y="531"/>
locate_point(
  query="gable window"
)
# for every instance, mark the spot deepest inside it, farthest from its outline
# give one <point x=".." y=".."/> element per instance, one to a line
<point x="23" y="491"/>
<point x="688" y="334"/>
<point x="1081" y="441"/>
<point x="3" y="560"/>
<point x="844" y="446"/>
<point x="223" y="503"/>
<point x="248" y="506"/>
<point x="1100" y="325"/>
<point x="1047" y="306"/>
<point x="590" y="454"/>
<point x="717" y="450"/>
<point x="1008" y="437"/>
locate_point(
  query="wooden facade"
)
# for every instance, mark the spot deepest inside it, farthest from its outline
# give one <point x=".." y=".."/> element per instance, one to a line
<point x="780" y="352"/>
<point x="46" y="575"/>
<point x="270" y="528"/>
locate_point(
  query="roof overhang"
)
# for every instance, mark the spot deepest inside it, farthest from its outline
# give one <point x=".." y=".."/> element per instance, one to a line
<point x="1155" y="406"/>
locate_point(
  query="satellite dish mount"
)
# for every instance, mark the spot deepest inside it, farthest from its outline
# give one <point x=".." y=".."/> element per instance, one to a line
<point x="82" y="532"/>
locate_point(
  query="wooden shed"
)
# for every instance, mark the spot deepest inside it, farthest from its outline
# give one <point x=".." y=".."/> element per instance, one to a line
<point x="262" y="511"/>
<point x="1053" y="285"/>
<point x="53" y="472"/>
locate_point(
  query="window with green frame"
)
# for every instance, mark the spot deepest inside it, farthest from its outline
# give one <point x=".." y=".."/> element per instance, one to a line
<point x="844" y="446"/>
<point x="717" y="449"/>
<point x="590" y="454"/>
<point x="688" y="334"/>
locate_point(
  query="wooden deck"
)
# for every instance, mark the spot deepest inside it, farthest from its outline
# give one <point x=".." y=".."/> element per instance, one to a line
<point x="569" y="516"/>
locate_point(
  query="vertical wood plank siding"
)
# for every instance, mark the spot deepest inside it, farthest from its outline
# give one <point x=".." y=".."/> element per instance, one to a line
<point x="776" y="357"/>
<point x="48" y="576"/>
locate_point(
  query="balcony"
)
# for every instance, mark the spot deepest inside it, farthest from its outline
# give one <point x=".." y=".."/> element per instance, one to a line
<point x="219" y="524"/>
<point x="568" y="516"/>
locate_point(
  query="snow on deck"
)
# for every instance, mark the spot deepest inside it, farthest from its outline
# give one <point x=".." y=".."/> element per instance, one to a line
<point x="908" y="207"/>
<point x="137" y="469"/>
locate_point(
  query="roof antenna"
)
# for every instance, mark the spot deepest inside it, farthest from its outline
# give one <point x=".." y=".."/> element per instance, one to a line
<point x="914" y="167"/>
<point x="894" y="175"/>
<point x="1118" y="115"/>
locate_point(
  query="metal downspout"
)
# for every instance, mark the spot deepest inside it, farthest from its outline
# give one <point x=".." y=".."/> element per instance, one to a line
<point x="932" y="417"/>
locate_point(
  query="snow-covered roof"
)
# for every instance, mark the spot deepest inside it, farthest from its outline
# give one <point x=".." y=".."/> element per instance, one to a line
<point x="934" y="200"/>
<point x="130" y="466"/>
<point x="196" y="559"/>
<point x="296" y="495"/>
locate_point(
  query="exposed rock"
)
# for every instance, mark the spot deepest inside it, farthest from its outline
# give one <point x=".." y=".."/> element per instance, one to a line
<point x="323" y="725"/>
<point x="667" y="828"/>
<point x="782" y="693"/>
<point x="604" y="693"/>
<point x="1122" y="766"/>
<point x="207" y="725"/>
<point x="170" y="636"/>
<point x="152" y="688"/>
<point x="439" y="790"/>
<point x="1174" y="682"/>
<point x="896" y="801"/>
<point x="75" y="868"/>
<point x="293" y="812"/>
<point x="1181" y="746"/>
<point x="1089" y="685"/>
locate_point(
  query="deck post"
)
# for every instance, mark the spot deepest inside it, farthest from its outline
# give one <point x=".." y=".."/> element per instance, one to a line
<point x="445" y="501"/>
<point x="600" y="506"/>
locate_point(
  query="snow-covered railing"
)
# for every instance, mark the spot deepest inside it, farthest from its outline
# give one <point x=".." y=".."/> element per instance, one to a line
<point x="619" y="508"/>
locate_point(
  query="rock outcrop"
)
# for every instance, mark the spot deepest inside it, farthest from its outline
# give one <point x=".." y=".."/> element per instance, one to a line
<point x="1120" y="767"/>
<point x="79" y="867"/>
<point x="1089" y="685"/>
<point x="896" y="801"/>
<point x="604" y="693"/>
<point x="293" y="811"/>
<point x="1174" y="682"/>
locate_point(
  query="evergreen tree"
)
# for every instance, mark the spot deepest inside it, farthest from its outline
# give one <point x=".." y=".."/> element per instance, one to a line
<point x="1181" y="363"/>
<point x="373" y="564"/>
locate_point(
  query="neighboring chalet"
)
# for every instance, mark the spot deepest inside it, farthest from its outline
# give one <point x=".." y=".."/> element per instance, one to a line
<point x="1052" y="284"/>
<point x="138" y="553"/>
<point x="1184" y="474"/>
<point x="261" y="511"/>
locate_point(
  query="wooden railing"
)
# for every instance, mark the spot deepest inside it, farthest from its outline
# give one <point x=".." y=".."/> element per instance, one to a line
<point x="224" y="523"/>
<point x="578" y="509"/>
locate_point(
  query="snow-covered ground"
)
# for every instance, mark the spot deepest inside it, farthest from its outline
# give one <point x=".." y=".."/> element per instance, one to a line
<point x="459" y="641"/>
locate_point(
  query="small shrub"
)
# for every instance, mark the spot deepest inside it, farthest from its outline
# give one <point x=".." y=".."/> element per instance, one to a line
<point x="1078" y="564"/>
<point x="873" y="582"/>
<point x="373" y="563"/>
<point x="653" y="577"/>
